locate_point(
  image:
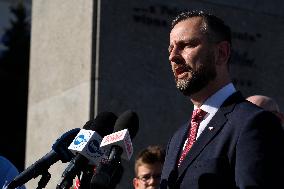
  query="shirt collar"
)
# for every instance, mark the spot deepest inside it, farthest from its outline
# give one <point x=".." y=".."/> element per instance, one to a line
<point x="213" y="103"/>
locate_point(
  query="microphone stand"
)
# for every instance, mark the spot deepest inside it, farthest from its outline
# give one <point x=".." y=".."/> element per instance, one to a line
<point x="45" y="177"/>
<point x="41" y="184"/>
<point x="109" y="172"/>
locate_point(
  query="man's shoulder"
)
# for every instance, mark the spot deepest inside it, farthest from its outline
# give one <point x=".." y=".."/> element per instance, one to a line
<point x="237" y="104"/>
<point x="248" y="108"/>
<point x="248" y="112"/>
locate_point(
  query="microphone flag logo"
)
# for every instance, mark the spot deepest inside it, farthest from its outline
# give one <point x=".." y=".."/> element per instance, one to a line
<point x="87" y="143"/>
<point x="78" y="140"/>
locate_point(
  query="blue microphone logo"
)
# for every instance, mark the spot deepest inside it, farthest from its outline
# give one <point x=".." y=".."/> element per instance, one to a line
<point x="78" y="140"/>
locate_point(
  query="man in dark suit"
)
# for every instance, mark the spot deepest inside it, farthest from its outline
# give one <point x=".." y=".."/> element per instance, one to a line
<point x="229" y="142"/>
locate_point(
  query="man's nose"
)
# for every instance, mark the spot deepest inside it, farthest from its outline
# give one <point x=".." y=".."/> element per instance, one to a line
<point x="175" y="55"/>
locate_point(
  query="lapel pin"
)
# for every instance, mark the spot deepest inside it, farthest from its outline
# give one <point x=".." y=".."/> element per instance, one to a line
<point x="210" y="128"/>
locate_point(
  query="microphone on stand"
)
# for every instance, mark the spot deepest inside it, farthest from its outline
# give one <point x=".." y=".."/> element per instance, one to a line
<point x="40" y="167"/>
<point x="86" y="147"/>
<point x="109" y="171"/>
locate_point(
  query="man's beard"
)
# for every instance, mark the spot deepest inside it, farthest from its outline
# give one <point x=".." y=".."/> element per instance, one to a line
<point x="199" y="78"/>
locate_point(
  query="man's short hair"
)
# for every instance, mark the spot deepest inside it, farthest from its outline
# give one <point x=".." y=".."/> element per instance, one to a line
<point x="214" y="27"/>
<point x="150" y="155"/>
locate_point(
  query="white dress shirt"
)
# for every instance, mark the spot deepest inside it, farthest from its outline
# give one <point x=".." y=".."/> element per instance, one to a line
<point x="213" y="103"/>
<point x="211" y="106"/>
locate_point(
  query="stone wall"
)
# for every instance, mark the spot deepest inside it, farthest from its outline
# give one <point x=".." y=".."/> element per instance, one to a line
<point x="60" y="76"/>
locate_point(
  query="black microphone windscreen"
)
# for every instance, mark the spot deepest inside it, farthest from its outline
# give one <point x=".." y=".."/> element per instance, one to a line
<point x="61" y="144"/>
<point x="102" y="124"/>
<point x="127" y="120"/>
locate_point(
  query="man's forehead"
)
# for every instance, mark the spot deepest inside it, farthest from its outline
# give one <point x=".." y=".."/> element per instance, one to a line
<point x="188" y="26"/>
<point x="186" y="37"/>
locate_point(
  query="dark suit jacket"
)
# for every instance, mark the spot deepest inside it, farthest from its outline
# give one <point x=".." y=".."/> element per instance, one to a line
<point x="245" y="149"/>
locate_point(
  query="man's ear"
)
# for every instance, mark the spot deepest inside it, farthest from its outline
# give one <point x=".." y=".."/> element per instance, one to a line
<point x="135" y="183"/>
<point x="223" y="52"/>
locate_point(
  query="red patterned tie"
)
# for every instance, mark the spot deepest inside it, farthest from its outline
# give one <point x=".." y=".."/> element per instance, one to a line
<point x="196" y="118"/>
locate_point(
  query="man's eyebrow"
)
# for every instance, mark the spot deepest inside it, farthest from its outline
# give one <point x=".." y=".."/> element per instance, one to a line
<point x="184" y="41"/>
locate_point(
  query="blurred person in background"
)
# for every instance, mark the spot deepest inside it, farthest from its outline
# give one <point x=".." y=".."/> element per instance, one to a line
<point x="148" y="167"/>
<point x="267" y="103"/>
<point x="7" y="172"/>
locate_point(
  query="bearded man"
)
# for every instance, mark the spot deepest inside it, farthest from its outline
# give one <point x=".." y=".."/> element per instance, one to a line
<point x="227" y="143"/>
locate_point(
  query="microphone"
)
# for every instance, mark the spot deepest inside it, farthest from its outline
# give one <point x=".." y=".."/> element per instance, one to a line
<point x="109" y="171"/>
<point x="59" y="152"/>
<point x="86" y="147"/>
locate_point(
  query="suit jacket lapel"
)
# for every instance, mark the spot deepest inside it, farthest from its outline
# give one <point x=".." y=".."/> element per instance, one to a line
<point x="217" y="122"/>
<point x="177" y="145"/>
<point x="174" y="147"/>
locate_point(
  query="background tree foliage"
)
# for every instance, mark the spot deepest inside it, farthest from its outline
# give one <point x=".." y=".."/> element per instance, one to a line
<point x="14" y="71"/>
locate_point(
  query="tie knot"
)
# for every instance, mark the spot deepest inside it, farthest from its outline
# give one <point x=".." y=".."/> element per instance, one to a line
<point x="198" y="115"/>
